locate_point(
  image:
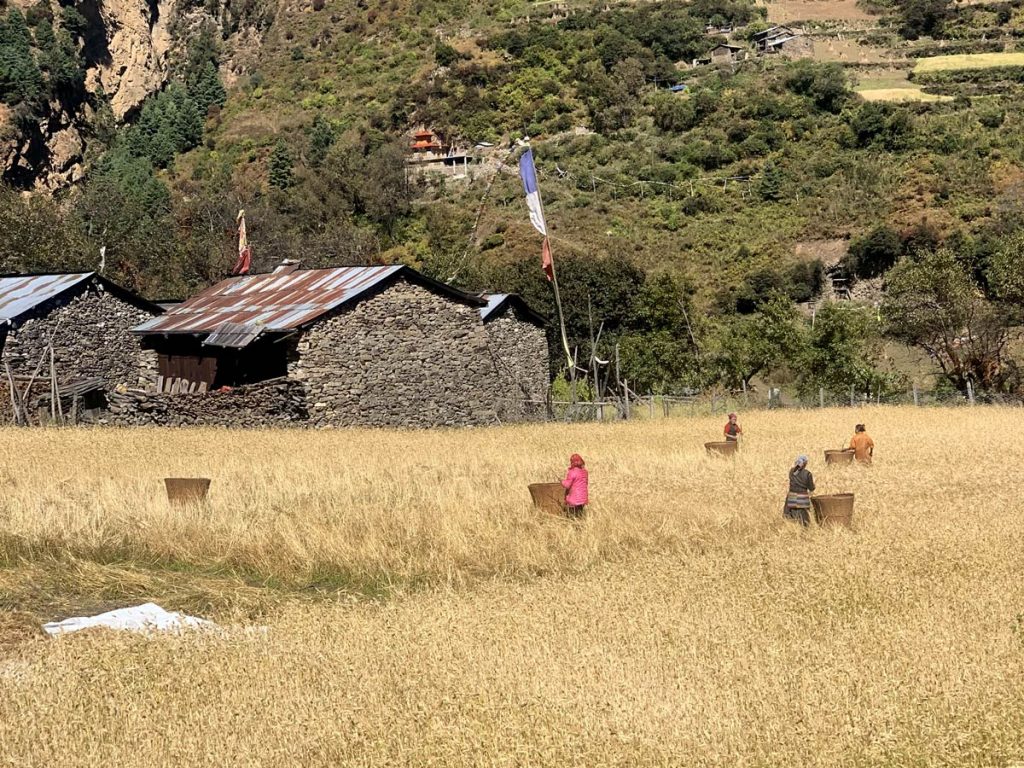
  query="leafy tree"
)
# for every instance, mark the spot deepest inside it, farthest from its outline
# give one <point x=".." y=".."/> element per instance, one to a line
<point x="842" y="349"/>
<point x="824" y="84"/>
<point x="1005" y="271"/>
<point x="659" y="351"/>
<point x="762" y="343"/>
<point x="281" y="165"/>
<point x="932" y="303"/>
<point x="445" y="55"/>
<point x="874" y="253"/>
<point x="36" y="237"/>
<point x="882" y="124"/>
<point x="924" y="18"/>
<point x="383" y="194"/>
<point x="127" y="209"/>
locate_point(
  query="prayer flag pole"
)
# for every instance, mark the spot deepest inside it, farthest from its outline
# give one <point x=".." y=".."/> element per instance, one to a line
<point x="528" y="173"/>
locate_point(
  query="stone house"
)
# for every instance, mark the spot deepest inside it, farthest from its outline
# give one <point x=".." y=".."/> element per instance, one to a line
<point x="723" y="53"/>
<point x="373" y="346"/>
<point x="783" y="41"/>
<point x="86" y="319"/>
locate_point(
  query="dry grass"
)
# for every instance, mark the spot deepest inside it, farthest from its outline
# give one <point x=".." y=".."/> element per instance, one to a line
<point x="969" y="61"/>
<point x="893" y="86"/>
<point x="900" y="94"/>
<point x="683" y="624"/>
<point x="789" y="11"/>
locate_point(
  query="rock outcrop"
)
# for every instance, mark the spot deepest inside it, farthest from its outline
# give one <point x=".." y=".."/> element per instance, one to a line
<point x="129" y="50"/>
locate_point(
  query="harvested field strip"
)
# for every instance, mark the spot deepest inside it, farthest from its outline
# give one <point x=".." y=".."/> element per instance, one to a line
<point x="683" y="623"/>
<point x="968" y="61"/>
<point x="900" y="94"/>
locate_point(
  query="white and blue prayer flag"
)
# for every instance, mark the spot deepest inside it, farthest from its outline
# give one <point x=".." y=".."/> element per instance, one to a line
<point x="528" y="173"/>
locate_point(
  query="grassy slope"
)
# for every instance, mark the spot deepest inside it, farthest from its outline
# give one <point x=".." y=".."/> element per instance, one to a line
<point x="354" y="60"/>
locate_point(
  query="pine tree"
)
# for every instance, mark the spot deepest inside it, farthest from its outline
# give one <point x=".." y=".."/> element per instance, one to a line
<point x="769" y="183"/>
<point x="280" y="166"/>
<point x="321" y="137"/>
<point x="20" y="78"/>
<point x="206" y="88"/>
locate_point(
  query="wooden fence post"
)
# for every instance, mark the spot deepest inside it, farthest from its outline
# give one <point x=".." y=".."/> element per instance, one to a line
<point x="915" y="395"/>
<point x="970" y="392"/>
<point x="821" y="397"/>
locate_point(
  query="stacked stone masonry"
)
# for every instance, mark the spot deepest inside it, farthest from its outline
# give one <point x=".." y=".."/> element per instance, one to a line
<point x="271" y="403"/>
<point x="520" y="351"/>
<point x="91" y="336"/>
<point x="404" y="357"/>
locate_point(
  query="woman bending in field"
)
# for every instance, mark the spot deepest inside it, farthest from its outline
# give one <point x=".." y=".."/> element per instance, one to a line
<point x="801" y="484"/>
<point x="575" y="484"/>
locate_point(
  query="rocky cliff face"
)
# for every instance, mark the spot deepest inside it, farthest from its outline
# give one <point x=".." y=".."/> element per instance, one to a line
<point x="135" y="42"/>
<point x="128" y="49"/>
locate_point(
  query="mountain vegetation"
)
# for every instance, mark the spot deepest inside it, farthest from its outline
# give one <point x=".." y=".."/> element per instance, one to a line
<point x="676" y="214"/>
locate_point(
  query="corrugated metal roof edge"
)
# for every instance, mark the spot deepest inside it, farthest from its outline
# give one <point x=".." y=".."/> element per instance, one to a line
<point x="87" y="276"/>
<point x="404" y="271"/>
<point x="517" y="301"/>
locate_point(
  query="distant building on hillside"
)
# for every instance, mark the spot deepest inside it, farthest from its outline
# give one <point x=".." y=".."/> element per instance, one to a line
<point x="726" y="54"/>
<point x="428" y="153"/>
<point x="370" y="346"/>
<point x="723" y="53"/>
<point x="783" y="41"/>
<point x="86" y="319"/>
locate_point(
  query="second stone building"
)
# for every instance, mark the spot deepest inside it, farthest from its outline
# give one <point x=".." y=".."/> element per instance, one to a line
<point x="373" y="346"/>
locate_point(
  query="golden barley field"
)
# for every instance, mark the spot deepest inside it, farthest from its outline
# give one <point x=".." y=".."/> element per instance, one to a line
<point x="391" y="599"/>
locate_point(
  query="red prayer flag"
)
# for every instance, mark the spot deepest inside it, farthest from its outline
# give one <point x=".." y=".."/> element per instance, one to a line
<point x="545" y="260"/>
<point x="244" y="249"/>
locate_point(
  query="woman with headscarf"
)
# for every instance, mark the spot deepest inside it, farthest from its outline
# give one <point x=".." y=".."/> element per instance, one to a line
<point x="733" y="430"/>
<point x="575" y="484"/>
<point x="801" y="485"/>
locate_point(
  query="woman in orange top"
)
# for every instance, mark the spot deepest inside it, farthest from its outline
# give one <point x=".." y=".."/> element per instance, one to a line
<point x="862" y="445"/>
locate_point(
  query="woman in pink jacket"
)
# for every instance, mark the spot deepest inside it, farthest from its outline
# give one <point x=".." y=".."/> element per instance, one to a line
<point x="575" y="484"/>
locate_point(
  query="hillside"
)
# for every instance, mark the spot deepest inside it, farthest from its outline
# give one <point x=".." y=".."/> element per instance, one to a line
<point x="730" y="191"/>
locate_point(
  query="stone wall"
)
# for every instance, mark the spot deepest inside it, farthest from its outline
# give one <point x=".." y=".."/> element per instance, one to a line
<point x="520" y="351"/>
<point x="405" y="357"/>
<point x="91" y="338"/>
<point x="269" y="403"/>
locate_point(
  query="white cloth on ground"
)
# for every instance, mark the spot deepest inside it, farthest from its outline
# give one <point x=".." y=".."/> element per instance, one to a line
<point x="148" y="617"/>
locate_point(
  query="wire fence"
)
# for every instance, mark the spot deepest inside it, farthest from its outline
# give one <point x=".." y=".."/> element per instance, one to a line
<point x="653" y="406"/>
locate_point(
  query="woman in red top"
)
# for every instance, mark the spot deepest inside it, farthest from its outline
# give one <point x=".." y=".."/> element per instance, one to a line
<point x="733" y="430"/>
<point x="575" y="484"/>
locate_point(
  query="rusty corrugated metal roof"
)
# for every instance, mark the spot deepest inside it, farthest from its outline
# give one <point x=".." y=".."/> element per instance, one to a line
<point x="20" y="294"/>
<point x="235" y="335"/>
<point x="282" y="300"/>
